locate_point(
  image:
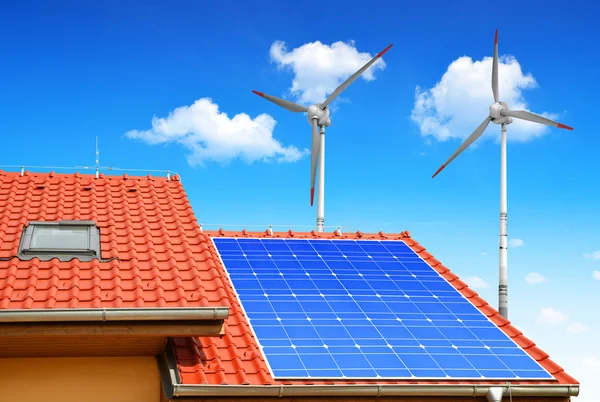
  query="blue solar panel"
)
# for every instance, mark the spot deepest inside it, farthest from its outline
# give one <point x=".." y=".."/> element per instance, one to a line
<point x="364" y="309"/>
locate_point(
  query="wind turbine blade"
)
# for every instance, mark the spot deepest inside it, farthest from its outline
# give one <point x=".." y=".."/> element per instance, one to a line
<point x="316" y="144"/>
<point x="523" y="115"/>
<point x="495" y="70"/>
<point x="350" y="80"/>
<point x="476" y="134"/>
<point x="291" y="106"/>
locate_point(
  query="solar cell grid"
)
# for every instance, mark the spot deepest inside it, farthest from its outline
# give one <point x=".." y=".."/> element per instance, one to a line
<point x="363" y="309"/>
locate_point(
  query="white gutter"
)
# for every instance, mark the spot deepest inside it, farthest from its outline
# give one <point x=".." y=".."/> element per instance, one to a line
<point x="489" y="391"/>
<point x="115" y="314"/>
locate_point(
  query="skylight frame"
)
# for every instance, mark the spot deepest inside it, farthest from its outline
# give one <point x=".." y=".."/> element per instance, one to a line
<point x="92" y="251"/>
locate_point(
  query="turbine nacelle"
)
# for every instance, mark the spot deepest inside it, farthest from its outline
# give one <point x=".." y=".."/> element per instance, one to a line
<point x="498" y="113"/>
<point x="320" y="113"/>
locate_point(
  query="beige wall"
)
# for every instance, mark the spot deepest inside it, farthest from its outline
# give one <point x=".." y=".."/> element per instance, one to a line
<point x="77" y="379"/>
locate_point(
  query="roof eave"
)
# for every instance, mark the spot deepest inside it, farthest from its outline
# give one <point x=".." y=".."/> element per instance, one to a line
<point x="115" y="314"/>
<point x="103" y="331"/>
<point x="375" y="390"/>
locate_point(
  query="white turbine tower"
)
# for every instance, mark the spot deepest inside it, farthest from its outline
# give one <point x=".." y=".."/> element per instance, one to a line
<point x="501" y="114"/>
<point x="318" y="117"/>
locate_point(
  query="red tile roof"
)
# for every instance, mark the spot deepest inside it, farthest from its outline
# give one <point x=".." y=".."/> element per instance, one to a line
<point x="161" y="258"/>
<point x="146" y="224"/>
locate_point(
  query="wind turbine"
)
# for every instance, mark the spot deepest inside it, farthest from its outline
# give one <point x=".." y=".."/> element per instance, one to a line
<point x="501" y="114"/>
<point x="318" y="117"/>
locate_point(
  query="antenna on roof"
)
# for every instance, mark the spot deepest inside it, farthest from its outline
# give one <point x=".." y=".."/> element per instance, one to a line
<point x="170" y="174"/>
<point x="97" y="158"/>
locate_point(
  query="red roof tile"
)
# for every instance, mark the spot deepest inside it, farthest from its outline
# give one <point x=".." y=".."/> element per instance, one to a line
<point x="160" y="257"/>
<point x="236" y="360"/>
<point x="146" y="224"/>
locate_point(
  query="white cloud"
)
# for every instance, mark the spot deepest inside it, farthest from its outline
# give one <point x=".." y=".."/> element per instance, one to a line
<point x="592" y="256"/>
<point x="476" y="282"/>
<point x="596" y="275"/>
<point x="575" y="327"/>
<point x="209" y="134"/>
<point x="515" y="243"/>
<point x="588" y="372"/>
<point x="483" y="253"/>
<point x="592" y="365"/>
<point x="460" y="101"/>
<point x="535" y="278"/>
<point x="550" y="315"/>
<point x="320" y="68"/>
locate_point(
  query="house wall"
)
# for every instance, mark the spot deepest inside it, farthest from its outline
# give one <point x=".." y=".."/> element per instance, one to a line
<point x="76" y="379"/>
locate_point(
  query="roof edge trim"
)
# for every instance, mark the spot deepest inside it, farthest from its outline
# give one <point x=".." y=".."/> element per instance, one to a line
<point x="474" y="390"/>
<point x="335" y="235"/>
<point x="115" y="314"/>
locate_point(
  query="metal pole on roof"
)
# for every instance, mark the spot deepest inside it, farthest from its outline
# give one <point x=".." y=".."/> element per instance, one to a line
<point x="503" y="272"/>
<point x="321" y="193"/>
<point x="97" y="158"/>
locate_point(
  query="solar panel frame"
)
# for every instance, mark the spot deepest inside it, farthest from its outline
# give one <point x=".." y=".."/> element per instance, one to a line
<point x="314" y="255"/>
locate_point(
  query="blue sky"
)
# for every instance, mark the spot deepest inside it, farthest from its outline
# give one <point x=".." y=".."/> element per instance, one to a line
<point x="76" y="70"/>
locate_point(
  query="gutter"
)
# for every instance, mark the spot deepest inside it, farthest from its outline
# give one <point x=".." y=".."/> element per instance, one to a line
<point x="115" y="314"/>
<point x="491" y="392"/>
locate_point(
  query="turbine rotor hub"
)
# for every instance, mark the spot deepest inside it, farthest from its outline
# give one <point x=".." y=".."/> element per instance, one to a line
<point x="496" y="110"/>
<point x="319" y="113"/>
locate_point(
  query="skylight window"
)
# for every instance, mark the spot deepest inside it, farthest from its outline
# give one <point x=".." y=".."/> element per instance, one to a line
<point x="72" y="238"/>
<point x="64" y="240"/>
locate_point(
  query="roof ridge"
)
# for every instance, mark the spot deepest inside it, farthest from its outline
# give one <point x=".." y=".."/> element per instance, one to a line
<point x="77" y="174"/>
<point x="312" y="234"/>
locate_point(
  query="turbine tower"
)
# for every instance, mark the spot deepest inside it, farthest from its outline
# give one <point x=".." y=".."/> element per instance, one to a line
<point x="501" y="114"/>
<point x="318" y="117"/>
